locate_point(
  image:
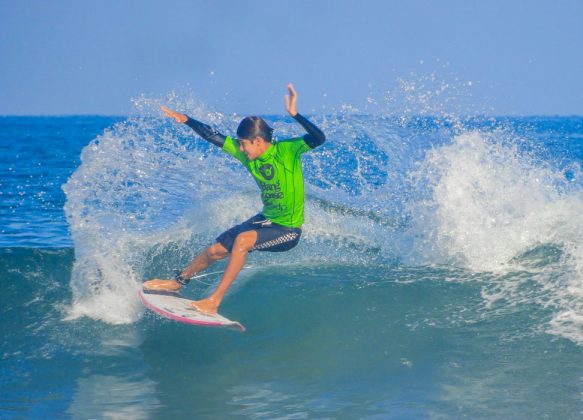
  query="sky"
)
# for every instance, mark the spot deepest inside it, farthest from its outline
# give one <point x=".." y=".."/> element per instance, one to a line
<point x="499" y="57"/>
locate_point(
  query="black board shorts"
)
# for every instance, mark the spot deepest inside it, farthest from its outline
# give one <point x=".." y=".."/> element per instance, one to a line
<point x="270" y="236"/>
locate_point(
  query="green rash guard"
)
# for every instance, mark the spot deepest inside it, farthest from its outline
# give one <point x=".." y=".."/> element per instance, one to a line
<point x="278" y="173"/>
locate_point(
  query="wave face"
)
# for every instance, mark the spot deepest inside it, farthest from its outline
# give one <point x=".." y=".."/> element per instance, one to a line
<point x="322" y="341"/>
<point x="439" y="274"/>
<point x="500" y="198"/>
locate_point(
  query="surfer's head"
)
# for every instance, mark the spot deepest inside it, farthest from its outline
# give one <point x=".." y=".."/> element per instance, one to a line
<point x="252" y="127"/>
<point x="254" y="137"/>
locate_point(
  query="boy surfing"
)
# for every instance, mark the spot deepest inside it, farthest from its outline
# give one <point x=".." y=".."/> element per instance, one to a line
<point x="276" y="167"/>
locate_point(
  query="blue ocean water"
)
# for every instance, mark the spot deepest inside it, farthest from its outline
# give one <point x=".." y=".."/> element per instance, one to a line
<point x="440" y="274"/>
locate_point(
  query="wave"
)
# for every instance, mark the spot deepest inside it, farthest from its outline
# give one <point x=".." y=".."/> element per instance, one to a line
<point x="382" y="192"/>
<point x="492" y="208"/>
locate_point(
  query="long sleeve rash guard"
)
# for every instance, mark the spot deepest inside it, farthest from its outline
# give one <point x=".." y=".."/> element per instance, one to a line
<point x="314" y="138"/>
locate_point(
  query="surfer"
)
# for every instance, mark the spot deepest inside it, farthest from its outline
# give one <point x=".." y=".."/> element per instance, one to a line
<point x="277" y="169"/>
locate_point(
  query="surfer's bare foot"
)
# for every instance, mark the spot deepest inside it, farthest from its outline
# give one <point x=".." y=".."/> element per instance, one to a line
<point x="163" y="285"/>
<point x="207" y="306"/>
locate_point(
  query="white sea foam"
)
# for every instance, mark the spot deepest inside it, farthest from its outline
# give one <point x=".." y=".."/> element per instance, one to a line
<point x="147" y="189"/>
<point x="487" y="207"/>
<point x="488" y="203"/>
<point x="146" y="199"/>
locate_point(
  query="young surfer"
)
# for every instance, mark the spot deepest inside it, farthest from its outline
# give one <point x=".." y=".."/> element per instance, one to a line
<point x="277" y="169"/>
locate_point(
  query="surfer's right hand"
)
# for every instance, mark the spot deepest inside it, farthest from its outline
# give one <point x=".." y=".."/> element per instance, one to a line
<point x="178" y="117"/>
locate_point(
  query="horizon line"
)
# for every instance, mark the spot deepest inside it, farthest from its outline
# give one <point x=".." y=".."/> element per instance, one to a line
<point x="285" y="115"/>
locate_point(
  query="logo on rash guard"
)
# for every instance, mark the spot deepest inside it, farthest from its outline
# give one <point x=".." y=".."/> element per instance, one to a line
<point x="267" y="170"/>
<point x="271" y="191"/>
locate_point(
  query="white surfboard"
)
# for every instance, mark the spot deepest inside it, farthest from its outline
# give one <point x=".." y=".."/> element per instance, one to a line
<point x="177" y="308"/>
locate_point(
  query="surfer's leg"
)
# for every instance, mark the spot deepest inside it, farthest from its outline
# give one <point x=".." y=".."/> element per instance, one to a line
<point x="243" y="244"/>
<point x="202" y="261"/>
<point x="213" y="253"/>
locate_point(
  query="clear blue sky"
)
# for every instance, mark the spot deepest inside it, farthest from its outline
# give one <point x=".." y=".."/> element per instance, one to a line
<point x="92" y="57"/>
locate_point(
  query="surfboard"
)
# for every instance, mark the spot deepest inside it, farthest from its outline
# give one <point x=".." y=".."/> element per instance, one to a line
<point x="174" y="306"/>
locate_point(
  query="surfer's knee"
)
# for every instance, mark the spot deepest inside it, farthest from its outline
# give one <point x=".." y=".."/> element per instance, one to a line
<point x="216" y="252"/>
<point x="245" y="241"/>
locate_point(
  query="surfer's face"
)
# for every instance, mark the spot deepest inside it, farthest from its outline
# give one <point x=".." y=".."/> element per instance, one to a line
<point x="253" y="148"/>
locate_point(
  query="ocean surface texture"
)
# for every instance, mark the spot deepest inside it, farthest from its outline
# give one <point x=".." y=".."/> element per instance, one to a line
<point x="440" y="273"/>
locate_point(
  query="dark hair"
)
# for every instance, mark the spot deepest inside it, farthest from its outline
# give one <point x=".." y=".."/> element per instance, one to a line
<point x="251" y="127"/>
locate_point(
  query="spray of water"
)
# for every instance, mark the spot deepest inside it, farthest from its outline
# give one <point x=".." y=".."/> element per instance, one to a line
<point x="416" y="188"/>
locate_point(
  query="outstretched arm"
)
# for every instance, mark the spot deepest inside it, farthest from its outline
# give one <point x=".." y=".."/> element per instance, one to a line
<point x="315" y="136"/>
<point x="203" y="130"/>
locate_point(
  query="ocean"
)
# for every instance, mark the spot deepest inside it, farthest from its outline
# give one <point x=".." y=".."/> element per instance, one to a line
<point x="439" y="275"/>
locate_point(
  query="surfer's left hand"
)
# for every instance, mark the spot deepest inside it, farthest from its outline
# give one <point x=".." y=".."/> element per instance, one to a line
<point x="291" y="101"/>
